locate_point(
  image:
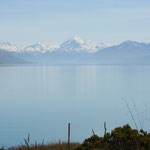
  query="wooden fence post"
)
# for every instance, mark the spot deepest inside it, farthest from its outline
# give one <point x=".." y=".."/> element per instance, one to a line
<point x="68" y="136"/>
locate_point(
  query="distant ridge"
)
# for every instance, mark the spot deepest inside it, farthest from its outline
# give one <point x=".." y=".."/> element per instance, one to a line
<point x="9" y="58"/>
<point x="77" y="51"/>
<point x="73" y="44"/>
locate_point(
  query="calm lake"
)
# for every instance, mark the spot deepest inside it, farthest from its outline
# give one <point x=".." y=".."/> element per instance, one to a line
<point x="42" y="100"/>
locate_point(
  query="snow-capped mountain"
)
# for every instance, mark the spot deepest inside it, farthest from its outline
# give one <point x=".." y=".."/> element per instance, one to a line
<point x="126" y="49"/>
<point x="9" y="47"/>
<point x="128" y="52"/>
<point x="40" y="47"/>
<point x="75" y="44"/>
<point x="77" y="51"/>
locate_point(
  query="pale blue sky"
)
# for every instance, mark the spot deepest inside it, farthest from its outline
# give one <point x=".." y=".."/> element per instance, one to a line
<point x="53" y="21"/>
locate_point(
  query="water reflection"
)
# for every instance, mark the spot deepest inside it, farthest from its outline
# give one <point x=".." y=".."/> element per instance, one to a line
<point x="41" y="100"/>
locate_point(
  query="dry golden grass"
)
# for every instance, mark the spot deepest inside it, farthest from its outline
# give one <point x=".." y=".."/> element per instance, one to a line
<point x="51" y="146"/>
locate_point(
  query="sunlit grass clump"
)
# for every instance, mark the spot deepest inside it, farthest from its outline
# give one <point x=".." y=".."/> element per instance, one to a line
<point x="42" y="146"/>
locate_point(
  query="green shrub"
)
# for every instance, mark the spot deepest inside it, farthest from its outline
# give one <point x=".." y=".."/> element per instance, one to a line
<point x="121" y="138"/>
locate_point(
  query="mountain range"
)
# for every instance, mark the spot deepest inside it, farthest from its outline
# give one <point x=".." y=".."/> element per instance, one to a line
<point x="76" y="51"/>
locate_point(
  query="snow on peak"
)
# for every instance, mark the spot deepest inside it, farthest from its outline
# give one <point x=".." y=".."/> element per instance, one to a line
<point x="5" y="43"/>
<point x="74" y="44"/>
<point x="9" y="47"/>
<point x="77" y="39"/>
<point x="37" y="47"/>
<point x="40" y="47"/>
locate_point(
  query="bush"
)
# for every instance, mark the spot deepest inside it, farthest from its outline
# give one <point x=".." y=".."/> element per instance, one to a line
<point x="121" y="138"/>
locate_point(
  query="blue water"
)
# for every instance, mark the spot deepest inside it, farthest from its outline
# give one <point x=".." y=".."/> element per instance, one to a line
<point x="41" y="100"/>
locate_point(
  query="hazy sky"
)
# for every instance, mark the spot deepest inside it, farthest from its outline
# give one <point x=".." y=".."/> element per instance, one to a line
<point x="53" y="21"/>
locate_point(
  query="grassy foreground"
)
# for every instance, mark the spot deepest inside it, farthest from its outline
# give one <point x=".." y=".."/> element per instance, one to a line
<point x="121" y="138"/>
<point x="52" y="146"/>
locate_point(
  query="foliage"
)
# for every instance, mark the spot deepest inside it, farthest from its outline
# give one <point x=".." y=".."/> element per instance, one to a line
<point x="121" y="138"/>
<point x="41" y="146"/>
